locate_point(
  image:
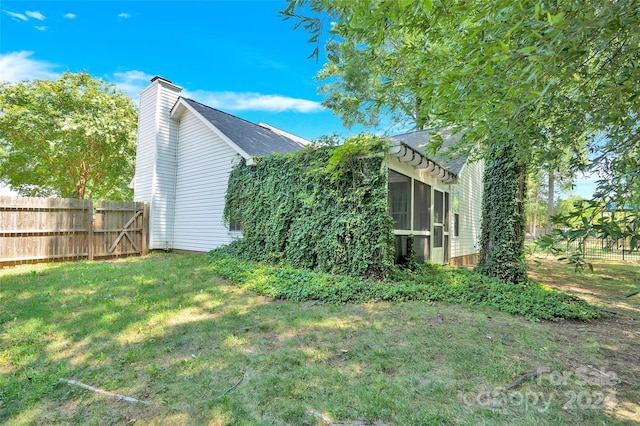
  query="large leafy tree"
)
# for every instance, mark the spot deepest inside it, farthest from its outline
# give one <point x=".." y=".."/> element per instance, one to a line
<point x="72" y="137"/>
<point x="524" y="78"/>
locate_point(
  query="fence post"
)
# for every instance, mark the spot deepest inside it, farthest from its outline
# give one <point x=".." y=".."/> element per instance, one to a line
<point x="90" y="230"/>
<point x="145" y="230"/>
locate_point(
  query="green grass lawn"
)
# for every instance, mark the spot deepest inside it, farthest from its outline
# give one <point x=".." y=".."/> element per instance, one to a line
<point x="166" y="330"/>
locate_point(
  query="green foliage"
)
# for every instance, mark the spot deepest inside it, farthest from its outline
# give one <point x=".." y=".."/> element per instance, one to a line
<point x="322" y="208"/>
<point x="566" y="206"/>
<point x="545" y="74"/>
<point x="74" y="137"/>
<point x="591" y="219"/>
<point x="545" y="80"/>
<point x="429" y="282"/>
<point x="503" y="219"/>
<point x="344" y="158"/>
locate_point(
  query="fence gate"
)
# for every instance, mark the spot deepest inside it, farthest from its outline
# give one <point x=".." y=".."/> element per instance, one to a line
<point x="50" y="229"/>
<point x="119" y="229"/>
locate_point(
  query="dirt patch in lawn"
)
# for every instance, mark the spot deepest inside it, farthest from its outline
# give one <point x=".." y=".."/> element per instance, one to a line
<point x="615" y="338"/>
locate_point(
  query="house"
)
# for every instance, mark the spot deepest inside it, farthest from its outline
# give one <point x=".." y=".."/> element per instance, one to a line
<point x="436" y="199"/>
<point x="186" y="151"/>
<point x="184" y="155"/>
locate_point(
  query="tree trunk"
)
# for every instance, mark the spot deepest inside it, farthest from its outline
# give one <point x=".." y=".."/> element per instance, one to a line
<point x="534" y="218"/>
<point x="503" y="217"/>
<point x="550" y="200"/>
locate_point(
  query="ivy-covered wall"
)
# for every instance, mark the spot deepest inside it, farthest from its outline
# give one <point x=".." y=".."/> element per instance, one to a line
<point x="322" y="208"/>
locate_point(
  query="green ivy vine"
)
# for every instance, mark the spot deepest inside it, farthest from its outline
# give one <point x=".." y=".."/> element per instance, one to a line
<point x="320" y="208"/>
<point x="503" y="217"/>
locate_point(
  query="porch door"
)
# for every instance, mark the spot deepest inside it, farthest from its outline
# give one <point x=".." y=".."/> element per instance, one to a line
<point x="437" y="233"/>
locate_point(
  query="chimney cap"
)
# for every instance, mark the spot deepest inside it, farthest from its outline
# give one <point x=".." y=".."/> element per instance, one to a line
<point x="157" y="77"/>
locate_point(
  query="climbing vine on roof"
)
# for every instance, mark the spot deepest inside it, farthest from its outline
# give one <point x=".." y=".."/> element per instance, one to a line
<point x="321" y="208"/>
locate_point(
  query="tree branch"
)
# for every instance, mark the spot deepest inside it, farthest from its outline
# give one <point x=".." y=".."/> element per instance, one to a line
<point x="524" y="378"/>
<point x="117" y="396"/>
<point x="234" y="386"/>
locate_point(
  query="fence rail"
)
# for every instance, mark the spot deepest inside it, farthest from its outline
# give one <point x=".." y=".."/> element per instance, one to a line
<point x="51" y="229"/>
<point x="607" y="248"/>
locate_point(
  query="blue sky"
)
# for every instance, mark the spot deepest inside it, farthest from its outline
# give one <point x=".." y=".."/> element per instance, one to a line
<point x="237" y="56"/>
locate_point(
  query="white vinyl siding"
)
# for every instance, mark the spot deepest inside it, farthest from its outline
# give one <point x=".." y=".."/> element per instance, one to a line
<point x="155" y="160"/>
<point x="204" y="164"/>
<point x="469" y="190"/>
<point x="165" y="173"/>
<point x="145" y="148"/>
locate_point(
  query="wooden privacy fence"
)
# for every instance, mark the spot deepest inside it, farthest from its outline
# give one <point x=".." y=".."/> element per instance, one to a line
<point x="52" y="229"/>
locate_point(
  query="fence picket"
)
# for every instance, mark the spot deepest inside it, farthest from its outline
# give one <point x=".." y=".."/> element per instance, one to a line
<point x="49" y="229"/>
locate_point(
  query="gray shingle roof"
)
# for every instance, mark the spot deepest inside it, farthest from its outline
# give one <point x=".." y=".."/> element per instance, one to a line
<point x="446" y="156"/>
<point x="252" y="138"/>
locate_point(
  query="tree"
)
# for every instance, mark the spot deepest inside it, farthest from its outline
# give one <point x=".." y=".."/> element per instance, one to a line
<point x="73" y="137"/>
<point x="521" y="77"/>
<point x="542" y="188"/>
<point x="534" y="206"/>
<point x="358" y="90"/>
<point x="567" y="206"/>
<point x="503" y="217"/>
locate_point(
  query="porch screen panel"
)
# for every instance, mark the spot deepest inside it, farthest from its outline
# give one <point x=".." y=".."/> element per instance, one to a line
<point x="400" y="200"/>
<point x="421" y="206"/>
<point x="438" y="204"/>
<point x="402" y="248"/>
<point x="446" y="212"/>
<point x="421" y="246"/>
<point x="437" y="236"/>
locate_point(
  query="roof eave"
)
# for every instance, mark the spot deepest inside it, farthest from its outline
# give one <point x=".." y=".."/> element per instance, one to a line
<point x="297" y="139"/>
<point x="408" y="155"/>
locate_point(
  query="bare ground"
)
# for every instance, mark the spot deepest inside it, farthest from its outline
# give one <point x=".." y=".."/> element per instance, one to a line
<point x="616" y="336"/>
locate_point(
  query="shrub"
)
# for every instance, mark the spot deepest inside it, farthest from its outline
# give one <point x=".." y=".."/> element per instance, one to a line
<point x="429" y="282"/>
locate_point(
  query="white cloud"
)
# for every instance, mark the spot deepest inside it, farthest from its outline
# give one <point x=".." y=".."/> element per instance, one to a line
<point x="35" y="15"/>
<point x="133" y="75"/>
<point x="18" y="66"/>
<point x="124" y="15"/>
<point x="250" y="101"/>
<point x="70" y="16"/>
<point x="15" y="15"/>
<point x="40" y="28"/>
<point x="132" y="82"/>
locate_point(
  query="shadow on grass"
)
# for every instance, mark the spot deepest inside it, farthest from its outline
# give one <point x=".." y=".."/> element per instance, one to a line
<point x="165" y="330"/>
<point x="607" y="285"/>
